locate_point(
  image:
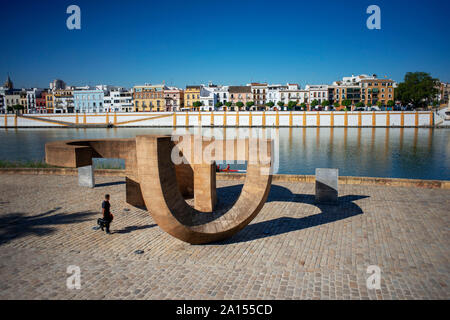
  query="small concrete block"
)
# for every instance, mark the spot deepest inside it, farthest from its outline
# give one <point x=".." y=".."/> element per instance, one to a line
<point x="86" y="176"/>
<point x="327" y="185"/>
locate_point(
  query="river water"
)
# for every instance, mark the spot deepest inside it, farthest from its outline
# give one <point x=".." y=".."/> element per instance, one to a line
<point x="414" y="153"/>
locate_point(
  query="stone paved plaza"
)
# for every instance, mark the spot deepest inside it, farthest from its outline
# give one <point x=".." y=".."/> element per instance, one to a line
<point x="292" y="250"/>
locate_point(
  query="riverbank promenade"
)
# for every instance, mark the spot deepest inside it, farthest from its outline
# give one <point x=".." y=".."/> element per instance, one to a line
<point x="294" y="249"/>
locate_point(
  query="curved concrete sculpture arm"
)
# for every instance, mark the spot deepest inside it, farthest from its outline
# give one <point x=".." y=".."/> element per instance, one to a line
<point x="171" y="212"/>
<point x="154" y="180"/>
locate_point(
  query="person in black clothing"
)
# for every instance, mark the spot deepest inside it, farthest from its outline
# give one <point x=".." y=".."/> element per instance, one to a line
<point x="106" y="211"/>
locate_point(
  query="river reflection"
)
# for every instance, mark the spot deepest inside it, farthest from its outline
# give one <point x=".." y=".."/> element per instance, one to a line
<point x="420" y="153"/>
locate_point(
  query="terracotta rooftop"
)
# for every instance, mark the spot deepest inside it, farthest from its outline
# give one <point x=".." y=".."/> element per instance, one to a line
<point x="239" y="89"/>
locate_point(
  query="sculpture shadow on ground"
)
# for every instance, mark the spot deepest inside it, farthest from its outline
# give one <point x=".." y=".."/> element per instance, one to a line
<point x="343" y="209"/>
<point x="18" y="224"/>
<point x="133" y="228"/>
<point x="108" y="184"/>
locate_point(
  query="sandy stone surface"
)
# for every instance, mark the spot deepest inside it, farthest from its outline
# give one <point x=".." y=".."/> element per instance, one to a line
<point x="294" y="249"/>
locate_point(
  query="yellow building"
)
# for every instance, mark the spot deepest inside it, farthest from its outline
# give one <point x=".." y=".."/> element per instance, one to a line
<point x="49" y="101"/>
<point x="23" y="101"/>
<point x="149" y="97"/>
<point x="374" y="90"/>
<point x="191" y="94"/>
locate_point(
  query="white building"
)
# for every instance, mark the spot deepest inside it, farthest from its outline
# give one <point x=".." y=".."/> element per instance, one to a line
<point x="354" y="80"/>
<point x="31" y="99"/>
<point x="208" y="98"/>
<point x="2" y="99"/>
<point x="2" y="103"/>
<point x="117" y="100"/>
<point x="317" y="92"/>
<point x="63" y="103"/>
<point x="222" y="94"/>
<point x="273" y="92"/>
<point x="211" y="94"/>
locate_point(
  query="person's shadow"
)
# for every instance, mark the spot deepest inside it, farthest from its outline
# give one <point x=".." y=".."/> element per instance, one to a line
<point x="133" y="228"/>
<point x="343" y="209"/>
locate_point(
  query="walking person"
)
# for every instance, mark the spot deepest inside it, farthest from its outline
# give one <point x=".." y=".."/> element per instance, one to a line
<point x="106" y="211"/>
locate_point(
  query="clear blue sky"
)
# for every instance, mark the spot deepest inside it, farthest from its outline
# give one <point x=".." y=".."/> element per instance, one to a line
<point x="227" y="42"/>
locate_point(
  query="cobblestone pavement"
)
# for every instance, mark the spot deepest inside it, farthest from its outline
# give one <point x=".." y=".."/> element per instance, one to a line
<point x="292" y="250"/>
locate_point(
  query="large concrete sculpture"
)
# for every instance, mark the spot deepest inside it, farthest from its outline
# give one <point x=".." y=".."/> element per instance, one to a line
<point x="154" y="181"/>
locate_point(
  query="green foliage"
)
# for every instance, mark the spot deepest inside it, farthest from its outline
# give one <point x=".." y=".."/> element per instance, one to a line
<point x="390" y="103"/>
<point x="36" y="164"/>
<point x="219" y="104"/>
<point x="249" y="104"/>
<point x="303" y="106"/>
<point x="360" y="104"/>
<point x="280" y="103"/>
<point x="239" y="104"/>
<point x="336" y="104"/>
<point x="270" y="104"/>
<point x="325" y="103"/>
<point x="347" y="103"/>
<point x="379" y="103"/>
<point x="314" y="103"/>
<point x="228" y="104"/>
<point x="18" y="107"/>
<point x="418" y="88"/>
<point x="24" y="164"/>
<point x="197" y="104"/>
<point x="291" y="104"/>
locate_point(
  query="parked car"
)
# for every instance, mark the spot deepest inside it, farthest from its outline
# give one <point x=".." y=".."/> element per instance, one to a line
<point x="360" y="109"/>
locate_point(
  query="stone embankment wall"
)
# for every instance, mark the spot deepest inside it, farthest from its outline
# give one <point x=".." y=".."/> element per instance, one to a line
<point x="226" y="119"/>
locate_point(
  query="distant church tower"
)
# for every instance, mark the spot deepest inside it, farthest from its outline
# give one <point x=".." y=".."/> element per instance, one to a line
<point x="8" y="84"/>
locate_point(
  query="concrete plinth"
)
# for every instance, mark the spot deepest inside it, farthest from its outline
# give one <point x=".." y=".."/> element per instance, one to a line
<point x="327" y="185"/>
<point x="86" y="176"/>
